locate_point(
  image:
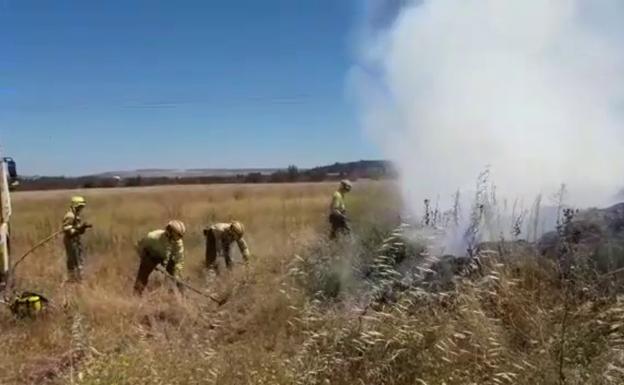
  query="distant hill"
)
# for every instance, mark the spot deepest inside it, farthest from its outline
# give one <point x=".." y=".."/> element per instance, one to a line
<point x="372" y="169"/>
<point x="184" y="173"/>
<point x="361" y="168"/>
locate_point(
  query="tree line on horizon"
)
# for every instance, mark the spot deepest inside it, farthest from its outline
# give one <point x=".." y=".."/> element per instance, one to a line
<point x="353" y="170"/>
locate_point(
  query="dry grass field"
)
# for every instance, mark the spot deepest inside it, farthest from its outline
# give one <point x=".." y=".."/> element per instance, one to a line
<point x="162" y="338"/>
<point x="517" y="322"/>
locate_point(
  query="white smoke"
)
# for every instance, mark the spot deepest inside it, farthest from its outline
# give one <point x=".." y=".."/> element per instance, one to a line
<point x="532" y="88"/>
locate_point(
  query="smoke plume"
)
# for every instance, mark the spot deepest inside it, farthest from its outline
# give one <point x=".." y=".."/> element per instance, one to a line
<point x="533" y="88"/>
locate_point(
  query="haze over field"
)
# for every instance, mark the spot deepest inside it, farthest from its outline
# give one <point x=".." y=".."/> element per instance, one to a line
<point x="532" y="88"/>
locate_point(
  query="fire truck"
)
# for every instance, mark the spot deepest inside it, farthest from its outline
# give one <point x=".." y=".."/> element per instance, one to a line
<point x="8" y="180"/>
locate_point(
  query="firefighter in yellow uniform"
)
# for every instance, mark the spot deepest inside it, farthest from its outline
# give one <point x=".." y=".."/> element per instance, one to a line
<point x="73" y="229"/>
<point x="161" y="247"/>
<point x="219" y="238"/>
<point x="338" y="211"/>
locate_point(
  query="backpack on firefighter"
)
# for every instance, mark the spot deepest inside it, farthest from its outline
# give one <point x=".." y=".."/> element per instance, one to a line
<point x="27" y="304"/>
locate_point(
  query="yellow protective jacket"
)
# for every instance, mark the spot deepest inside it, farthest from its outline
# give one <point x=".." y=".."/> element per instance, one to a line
<point x="158" y="244"/>
<point x="72" y="224"/>
<point x="225" y="238"/>
<point x="337" y="206"/>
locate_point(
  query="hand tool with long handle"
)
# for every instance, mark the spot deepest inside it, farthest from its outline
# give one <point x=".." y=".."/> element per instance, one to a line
<point x="219" y="302"/>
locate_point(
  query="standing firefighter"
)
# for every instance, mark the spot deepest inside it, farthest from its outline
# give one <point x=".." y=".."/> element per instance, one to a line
<point x="219" y="238"/>
<point x="73" y="229"/>
<point x="164" y="247"/>
<point x="338" y="211"/>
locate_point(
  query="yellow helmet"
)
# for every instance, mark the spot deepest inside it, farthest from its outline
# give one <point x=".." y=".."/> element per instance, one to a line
<point x="176" y="227"/>
<point x="237" y="228"/>
<point x="346" y="184"/>
<point x="78" y="201"/>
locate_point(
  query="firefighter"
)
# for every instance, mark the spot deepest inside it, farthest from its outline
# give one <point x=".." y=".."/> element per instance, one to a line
<point x="73" y="228"/>
<point x="338" y="211"/>
<point x="219" y="238"/>
<point x="161" y="247"/>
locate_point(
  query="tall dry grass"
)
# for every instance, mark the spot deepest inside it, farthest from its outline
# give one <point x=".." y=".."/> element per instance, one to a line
<point x="297" y="314"/>
<point x="100" y="333"/>
<point x="514" y="321"/>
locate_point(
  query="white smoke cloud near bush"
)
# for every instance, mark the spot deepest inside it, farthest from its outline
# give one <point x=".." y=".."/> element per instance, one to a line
<point x="532" y="88"/>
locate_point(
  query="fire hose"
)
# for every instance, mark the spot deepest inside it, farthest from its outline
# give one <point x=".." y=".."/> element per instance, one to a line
<point x="11" y="275"/>
<point x="35" y="247"/>
<point x="13" y="305"/>
<point x="39" y="244"/>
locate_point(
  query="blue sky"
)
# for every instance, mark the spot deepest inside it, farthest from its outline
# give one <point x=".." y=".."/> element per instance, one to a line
<point x="89" y="86"/>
